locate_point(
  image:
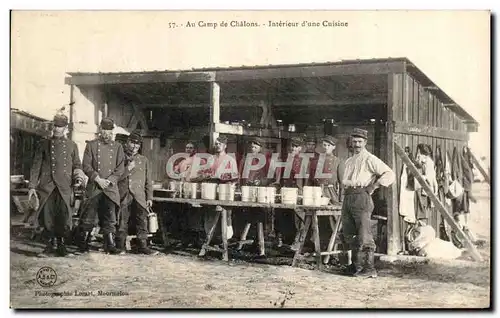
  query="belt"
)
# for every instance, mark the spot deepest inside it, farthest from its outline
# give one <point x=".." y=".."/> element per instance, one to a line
<point x="355" y="190"/>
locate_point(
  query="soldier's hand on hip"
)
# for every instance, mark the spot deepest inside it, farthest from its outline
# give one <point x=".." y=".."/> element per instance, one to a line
<point x="149" y="203"/>
<point x="103" y="183"/>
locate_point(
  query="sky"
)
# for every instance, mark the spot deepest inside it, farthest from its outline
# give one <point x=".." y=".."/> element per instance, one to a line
<point x="451" y="47"/>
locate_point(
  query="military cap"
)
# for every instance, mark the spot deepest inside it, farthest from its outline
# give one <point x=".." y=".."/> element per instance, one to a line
<point x="107" y="124"/>
<point x="297" y="141"/>
<point x="358" y="132"/>
<point x="135" y="137"/>
<point x="222" y="139"/>
<point x="60" y="120"/>
<point x="121" y="137"/>
<point x="258" y="141"/>
<point x="330" y="139"/>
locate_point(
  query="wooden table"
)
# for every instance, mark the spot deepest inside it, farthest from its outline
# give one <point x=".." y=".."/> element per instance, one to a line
<point x="311" y="214"/>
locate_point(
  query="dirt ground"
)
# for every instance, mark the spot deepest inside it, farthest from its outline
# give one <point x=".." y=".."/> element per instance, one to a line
<point x="184" y="281"/>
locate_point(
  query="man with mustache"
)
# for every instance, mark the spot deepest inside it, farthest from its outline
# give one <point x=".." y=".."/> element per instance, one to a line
<point x="55" y="167"/>
<point x="136" y="191"/>
<point x="363" y="174"/>
<point x="103" y="163"/>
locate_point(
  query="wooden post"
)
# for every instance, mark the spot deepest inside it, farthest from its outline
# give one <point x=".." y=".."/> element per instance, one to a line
<point x="214" y="110"/>
<point x="71" y="125"/>
<point x="393" y="236"/>
<point x="480" y="168"/>
<point x="444" y="212"/>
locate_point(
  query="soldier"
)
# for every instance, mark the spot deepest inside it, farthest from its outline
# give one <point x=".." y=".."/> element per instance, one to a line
<point x="293" y="181"/>
<point x="220" y="175"/>
<point x="363" y="174"/>
<point x="103" y="163"/>
<point x="330" y="164"/>
<point x="313" y="162"/>
<point x="136" y="190"/>
<point x="56" y="166"/>
<point x="255" y="178"/>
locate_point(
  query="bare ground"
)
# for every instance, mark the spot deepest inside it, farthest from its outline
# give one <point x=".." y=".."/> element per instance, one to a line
<point x="184" y="281"/>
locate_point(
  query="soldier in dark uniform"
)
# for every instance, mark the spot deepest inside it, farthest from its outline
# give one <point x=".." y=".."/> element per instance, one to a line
<point x="103" y="163"/>
<point x="56" y="166"/>
<point x="255" y="178"/>
<point x="293" y="181"/>
<point x="136" y="190"/>
<point x="329" y="164"/>
<point x="313" y="162"/>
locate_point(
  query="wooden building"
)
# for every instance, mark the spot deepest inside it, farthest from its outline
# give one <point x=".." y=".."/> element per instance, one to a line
<point x="26" y="130"/>
<point x="391" y="98"/>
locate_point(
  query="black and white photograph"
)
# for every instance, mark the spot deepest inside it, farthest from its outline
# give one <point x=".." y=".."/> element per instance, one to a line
<point x="250" y="159"/>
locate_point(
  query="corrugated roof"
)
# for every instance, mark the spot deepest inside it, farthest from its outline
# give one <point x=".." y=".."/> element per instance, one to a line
<point x="409" y="66"/>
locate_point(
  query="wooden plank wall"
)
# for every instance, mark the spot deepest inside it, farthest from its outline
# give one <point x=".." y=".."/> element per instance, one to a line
<point x="22" y="152"/>
<point x="420" y="106"/>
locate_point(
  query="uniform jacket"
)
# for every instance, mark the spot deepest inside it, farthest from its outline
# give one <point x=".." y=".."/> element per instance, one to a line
<point x="105" y="160"/>
<point x="255" y="177"/>
<point x="291" y="181"/>
<point x="56" y="164"/>
<point x="313" y="163"/>
<point x="137" y="181"/>
<point x="333" y="185"/>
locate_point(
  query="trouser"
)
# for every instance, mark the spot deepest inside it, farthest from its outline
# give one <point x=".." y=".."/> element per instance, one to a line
<point x="54" y="216"/>
<point x="140" y="218"/>
<point x="356" y="219"/>
<point x="105" y="209"/>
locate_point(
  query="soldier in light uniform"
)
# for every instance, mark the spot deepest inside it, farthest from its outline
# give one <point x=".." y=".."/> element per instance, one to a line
<point x="56" y="166"/>
<point x="103" y="163"/>
<point x="136" y="190"/>
<point x="363" y="174"/>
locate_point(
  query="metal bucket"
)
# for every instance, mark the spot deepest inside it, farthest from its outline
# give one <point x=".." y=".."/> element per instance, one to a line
<point x="152" y="222"/>
<point x="248" y="194"/>
<point x="226" y="192"/>
<point x="311" y="195"/>
<point x="176" y="186"/>
<point x="190" y="190"/>
<point x="266" y="194"/>
<point x="208" y="191"/>
<point x="289" y="195"/>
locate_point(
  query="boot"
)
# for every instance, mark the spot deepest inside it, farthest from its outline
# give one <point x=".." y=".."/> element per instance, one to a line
<point x="369" y="270"/>
<point x="356" y="266"/>
<point x="50" y="249"/>
<point x="109" y="244"/>
<point x="120" y="244"/>
<point x="83" y="243"/>
<point x="61" y="248"/>
<point x="144" y="249"/>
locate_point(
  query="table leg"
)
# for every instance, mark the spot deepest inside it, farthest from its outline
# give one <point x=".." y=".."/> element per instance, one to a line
<point x="244" y="235"/>
<point x="161" y="225"/>
<point x="210" y="234"/>
<point x="335" y="229"/>
<point x="224" y="235"/>
<point x="302" y="238"/>
<point x="260" y="232"/>
<point x="317" y="245"/>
